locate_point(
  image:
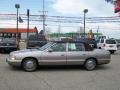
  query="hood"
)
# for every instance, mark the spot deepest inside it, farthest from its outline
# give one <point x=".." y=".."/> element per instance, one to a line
<point x="24" y="50"/>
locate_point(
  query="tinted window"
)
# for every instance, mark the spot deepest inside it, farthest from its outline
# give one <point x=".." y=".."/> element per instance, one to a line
<point x="97" y="40"/>
<point x="76" y="47"/>
<point x="110" y="42"/>
<point x="9" y="40"/>
<point x="0" y="39"/>
<point x="102" y="40"/>
<point x="118" y="41"/>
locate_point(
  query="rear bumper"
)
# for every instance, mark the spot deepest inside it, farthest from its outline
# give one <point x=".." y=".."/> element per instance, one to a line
<point x="110" y="49"/>
<point x="103" y="62"/>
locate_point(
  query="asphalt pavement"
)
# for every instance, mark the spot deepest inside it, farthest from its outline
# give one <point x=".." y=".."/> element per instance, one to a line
<point x="104" y="77"/>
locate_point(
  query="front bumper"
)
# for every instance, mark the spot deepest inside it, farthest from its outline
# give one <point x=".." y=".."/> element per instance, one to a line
<point x="13" y="62"/>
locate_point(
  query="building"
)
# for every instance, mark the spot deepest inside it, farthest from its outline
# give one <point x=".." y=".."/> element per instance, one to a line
<point x="22" y="32"/>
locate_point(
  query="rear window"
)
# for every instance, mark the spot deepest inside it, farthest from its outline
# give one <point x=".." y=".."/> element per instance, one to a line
<point x="110" y="41"/>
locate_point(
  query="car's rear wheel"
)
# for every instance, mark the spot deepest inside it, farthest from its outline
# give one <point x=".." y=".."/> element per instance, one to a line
<point x="112" y="52"/>
<point x="90" y="64"/>
<point x="29" y="64"/>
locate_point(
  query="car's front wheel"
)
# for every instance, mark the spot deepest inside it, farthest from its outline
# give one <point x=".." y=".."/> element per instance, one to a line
<point x="29" y="64"/>
<point x="90" y="64"/>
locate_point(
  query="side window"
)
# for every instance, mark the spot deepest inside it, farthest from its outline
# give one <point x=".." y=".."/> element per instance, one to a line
<point x="76" y="47"/>
<point x="102" y="40"/>
<point x="59" y="47"/>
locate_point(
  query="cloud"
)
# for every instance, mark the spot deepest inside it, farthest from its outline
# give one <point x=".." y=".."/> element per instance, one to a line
<point x="76" y="7"/>
<point x="69" y="6"/>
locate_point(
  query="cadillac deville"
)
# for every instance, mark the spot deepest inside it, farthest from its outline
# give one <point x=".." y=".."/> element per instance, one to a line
<point x="59" y="53"/>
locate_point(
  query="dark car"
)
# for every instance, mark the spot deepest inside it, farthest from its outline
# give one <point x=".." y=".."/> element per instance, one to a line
<point x="90" y="41"/>
<point x="118" y="43"/>
<point x="35" y="44"/>
<point x="36" y="41"/>
<point x="8" y="44"/>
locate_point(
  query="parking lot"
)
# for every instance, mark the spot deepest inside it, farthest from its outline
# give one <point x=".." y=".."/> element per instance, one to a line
<point x="105" y="77"/>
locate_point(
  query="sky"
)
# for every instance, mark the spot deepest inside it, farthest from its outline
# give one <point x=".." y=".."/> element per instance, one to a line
<point x="68" y="8"/>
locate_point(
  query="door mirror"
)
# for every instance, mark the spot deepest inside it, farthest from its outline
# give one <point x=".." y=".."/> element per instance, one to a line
<point x="50" y="50"/>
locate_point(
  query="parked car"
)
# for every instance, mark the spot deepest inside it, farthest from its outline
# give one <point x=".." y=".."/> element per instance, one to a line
<point x="35" y="44"/>
<point x="118" y="43"/>
<point x="8" y="44"/>
<point x="36" y="41"/>
<point x="59" y="53"/>
<point x="108" y="44"/>
<point x="90" y="41"/>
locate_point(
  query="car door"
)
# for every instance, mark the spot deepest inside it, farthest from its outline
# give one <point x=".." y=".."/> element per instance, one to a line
<point x="55" y="55"/>
<point x="76" y="53"/>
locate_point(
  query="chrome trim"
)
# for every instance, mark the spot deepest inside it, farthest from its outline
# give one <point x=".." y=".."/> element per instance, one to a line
<point x="13" y="62"/>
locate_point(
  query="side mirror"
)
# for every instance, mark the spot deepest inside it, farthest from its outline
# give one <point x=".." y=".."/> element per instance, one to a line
<point x="50" y="50"/>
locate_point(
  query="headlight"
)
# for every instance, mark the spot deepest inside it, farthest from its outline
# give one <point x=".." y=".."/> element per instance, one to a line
<point x="12" y="57"/>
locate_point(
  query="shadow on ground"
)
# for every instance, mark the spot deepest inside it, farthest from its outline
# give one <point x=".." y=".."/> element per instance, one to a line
<point x="60" y="68"/>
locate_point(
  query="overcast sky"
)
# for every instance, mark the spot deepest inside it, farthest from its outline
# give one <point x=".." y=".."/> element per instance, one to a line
<point x="70" y="8"/>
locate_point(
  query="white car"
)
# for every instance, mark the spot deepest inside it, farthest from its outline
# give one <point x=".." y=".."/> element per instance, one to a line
<point x="108" y="44"/>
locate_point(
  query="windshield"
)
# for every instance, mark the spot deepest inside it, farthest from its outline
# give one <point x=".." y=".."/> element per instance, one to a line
<point x="118" y="41"/>
<point x="46" y="46"/>
<point x="8" y="40"/>
<point x="0" y="39"/>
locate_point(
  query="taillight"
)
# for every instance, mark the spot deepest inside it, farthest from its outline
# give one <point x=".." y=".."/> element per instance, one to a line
<point x="103" y="45"/>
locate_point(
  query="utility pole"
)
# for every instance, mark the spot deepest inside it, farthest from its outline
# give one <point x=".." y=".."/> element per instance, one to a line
<point x="97" y="31"/>
<point x="43" y="19"/>
<point x="17" y="6"/>
<point x="43" y="16"/>
<point x="28" y="14"/>
<point x="85" y="11"/>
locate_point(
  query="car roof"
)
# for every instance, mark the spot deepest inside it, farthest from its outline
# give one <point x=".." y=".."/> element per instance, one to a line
<point x="69" y="41"/>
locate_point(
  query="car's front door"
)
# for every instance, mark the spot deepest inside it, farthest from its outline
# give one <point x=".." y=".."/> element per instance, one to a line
<point x="76" y="53"/>
<point x="55" y="55"/>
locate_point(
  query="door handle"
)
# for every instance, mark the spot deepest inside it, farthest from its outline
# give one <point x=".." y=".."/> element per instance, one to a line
<point x="84" y="54"/>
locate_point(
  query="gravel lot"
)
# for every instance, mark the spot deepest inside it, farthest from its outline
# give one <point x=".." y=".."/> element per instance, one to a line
<point x="105" y="77"/>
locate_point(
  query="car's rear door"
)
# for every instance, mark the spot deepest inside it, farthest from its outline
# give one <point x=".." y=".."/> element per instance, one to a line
<point x="55" y="55"/>
<point x="76" y="53"/>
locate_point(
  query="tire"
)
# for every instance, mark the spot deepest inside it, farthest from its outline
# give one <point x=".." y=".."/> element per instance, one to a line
<point x="112" y="52"/>
<point x="29" y="64"/>
<point x="99" y="47"/>
<point x="90" y="64"/>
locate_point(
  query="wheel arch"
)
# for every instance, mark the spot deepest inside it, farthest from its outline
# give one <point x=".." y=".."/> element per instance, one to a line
<point x="92" y="58"/>
<point x="28" y="58"/>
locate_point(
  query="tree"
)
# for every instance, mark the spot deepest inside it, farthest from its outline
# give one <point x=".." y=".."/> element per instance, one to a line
<point x="111" y="1"/>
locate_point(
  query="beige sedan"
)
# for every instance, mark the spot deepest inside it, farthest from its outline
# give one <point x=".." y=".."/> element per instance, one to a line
<point x="59" y="53"/>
